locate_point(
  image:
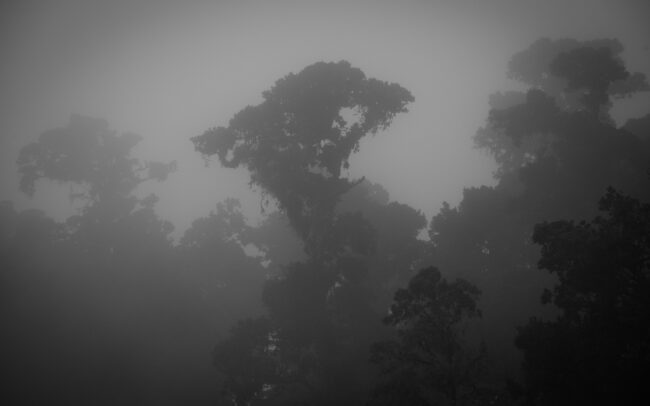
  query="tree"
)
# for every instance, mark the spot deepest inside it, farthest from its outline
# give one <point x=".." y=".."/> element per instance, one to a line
<point x="103" y="174"/>
<point x="295" y="145"/>
<point x="430" y="358"/>
<point x="102" y="308"/>
<point x="211" y="256"/>
<point x="87" y="152"/>
<point x="557" y="150"/>
<point x="599" y="348"/>
<point x="245" y="362"/>
<point x="580" y="75"/>
<point x="296" y="142"/>
<point x="399" y="252"/>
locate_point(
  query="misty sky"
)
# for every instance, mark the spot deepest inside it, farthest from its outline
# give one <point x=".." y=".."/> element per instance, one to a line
<point x="170" y="70"/>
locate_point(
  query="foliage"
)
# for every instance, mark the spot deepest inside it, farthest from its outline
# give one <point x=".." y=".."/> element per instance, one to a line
<point x="87" y="152"/>
<point x="296" y="142"/>
<point x="579" y="74"/>
<point x="295" y="145"/>
<point x="97" y="307"/>
<point x="557" y="150"/>
<point x="103" y="308"/>
<point x="598" y="349"/>
<point x="245" y="361"/>
<point x="429" y="316"/>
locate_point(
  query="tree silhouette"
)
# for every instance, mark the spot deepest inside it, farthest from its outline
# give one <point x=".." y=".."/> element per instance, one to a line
<point x="555" y="158"/>
<point x="598" y="349"/>
<point x="245" y="361"/>
<point x="585" y="75"/>
<point x="430" y="360"/>
<point x="102" y="308"/>
<point x="295" y="145"/>
<point x="87" y="152"/>
<point x="99" y="164"/>
<point x="296" y="142"/>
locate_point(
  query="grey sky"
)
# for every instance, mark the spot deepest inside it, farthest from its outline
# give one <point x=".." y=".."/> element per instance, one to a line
<point x="170" y="70"/>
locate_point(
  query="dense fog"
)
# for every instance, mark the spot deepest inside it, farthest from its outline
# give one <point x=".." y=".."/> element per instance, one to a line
<point x="325" y="203"/>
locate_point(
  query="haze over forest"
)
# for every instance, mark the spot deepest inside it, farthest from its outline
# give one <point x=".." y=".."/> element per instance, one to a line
<point x="317" y="203"/>
<point x="167" y="71"/>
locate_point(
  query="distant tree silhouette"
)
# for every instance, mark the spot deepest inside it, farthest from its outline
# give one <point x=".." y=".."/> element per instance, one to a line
<point x="99" y="164"/>
<point x="103" y="308"/>
<point x="212" y="259"/>
<point x="581" y="75"/>
<point x="87" y="152"/>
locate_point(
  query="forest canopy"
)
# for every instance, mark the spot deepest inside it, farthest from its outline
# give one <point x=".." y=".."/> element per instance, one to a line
<point x="531" y="291"/>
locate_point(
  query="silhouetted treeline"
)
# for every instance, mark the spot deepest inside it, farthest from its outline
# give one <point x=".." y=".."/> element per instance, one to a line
<point x="533" y="291"/>
<point x="104" y="309"/>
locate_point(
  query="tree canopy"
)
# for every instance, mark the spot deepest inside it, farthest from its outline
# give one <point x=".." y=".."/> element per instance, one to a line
<point x="334" y="297"/>
<point x="323" y="309"/>
<point x="296" y="142"/>
<point x="597" y="350"/>
<point x="431" y="361"/>
<point x="556" y="156"/>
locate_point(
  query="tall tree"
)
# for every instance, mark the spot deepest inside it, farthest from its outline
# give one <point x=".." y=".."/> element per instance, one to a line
<point x="557" y="150"/>
<point x="100" y="308"/>
<point x="295" y="144"/>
